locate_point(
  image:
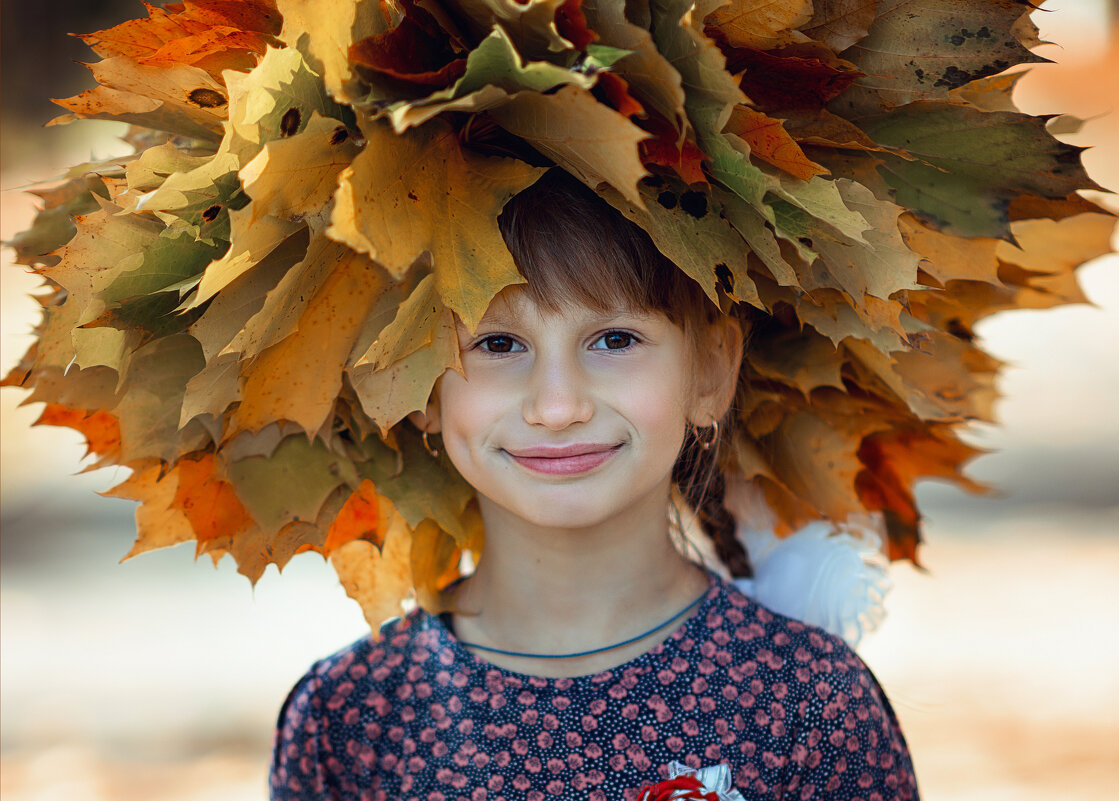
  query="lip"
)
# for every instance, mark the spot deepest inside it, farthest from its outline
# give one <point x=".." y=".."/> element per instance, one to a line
<point x="564" y="460"/>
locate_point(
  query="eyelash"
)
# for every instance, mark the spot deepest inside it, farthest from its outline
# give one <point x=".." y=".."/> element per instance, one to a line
<point x="481" y="344"/>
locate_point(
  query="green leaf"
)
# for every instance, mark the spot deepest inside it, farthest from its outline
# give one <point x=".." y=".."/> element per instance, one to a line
<point x="419" y="485"/>
<point x="151" y="397"/>
<point x="494" y="71"/>
<point x="171" y="258"/>
<point x="292" y="483"/>
<point x="971" y="164"/>
<point x="689" y="228"/>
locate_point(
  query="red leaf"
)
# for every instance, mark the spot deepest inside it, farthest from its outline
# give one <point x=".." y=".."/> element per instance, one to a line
<point x="417" y="51"/>
<point x="615" y="90"/>
<point x="795" y="77"/>
<point x="662" y="149"/>
<point x="572" y="24"/>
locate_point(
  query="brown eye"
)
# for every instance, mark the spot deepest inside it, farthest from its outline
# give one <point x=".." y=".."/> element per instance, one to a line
<point x="614" y="340"/>
<point x="500" y="343"/>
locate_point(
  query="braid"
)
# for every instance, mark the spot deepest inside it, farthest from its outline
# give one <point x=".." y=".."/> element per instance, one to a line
<point x="700" y="479"/>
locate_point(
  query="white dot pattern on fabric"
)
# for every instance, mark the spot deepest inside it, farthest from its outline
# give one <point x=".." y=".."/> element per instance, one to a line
<point x="791" y="709"/>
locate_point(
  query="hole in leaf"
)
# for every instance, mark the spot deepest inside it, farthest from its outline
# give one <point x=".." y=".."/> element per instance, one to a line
<point x="211" y="214"/>
<point x="206" y="98"/>
<point x="725" y="277"/>
<point x="804" y="240"/>
<point x="289" y="123"/>
<point x="667" y="199"/>
<point x="695" y="203"/>
<point x="340" y="135"/>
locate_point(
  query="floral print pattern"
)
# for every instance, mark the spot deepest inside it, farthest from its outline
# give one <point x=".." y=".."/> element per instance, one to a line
<point x="792" y="711"/>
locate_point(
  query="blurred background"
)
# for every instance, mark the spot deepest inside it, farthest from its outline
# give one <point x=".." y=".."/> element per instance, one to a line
<point x="160" y="679"/>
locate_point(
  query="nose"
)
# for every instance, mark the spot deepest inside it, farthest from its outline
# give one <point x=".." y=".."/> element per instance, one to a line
<point x="558" y="393"/>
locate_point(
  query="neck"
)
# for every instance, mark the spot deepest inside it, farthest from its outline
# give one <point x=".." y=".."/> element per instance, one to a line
<point x="593" y="586"/>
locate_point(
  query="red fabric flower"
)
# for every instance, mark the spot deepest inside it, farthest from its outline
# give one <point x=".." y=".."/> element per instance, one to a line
<point x="682" y="788"/>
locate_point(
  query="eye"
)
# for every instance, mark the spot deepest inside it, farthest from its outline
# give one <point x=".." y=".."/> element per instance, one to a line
<point x="500" y="343"/>
<point x="614" y="340"/>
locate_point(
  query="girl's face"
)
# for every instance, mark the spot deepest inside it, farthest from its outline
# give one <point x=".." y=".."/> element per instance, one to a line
<point x="566" y="419"/>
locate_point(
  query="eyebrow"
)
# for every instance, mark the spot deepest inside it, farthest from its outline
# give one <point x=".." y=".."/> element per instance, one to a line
<point x="505" y="320"/>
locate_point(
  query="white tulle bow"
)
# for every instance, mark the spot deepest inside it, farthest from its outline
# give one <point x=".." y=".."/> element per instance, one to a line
<point x="714" y="778"/>
<point x="832" y="576"/>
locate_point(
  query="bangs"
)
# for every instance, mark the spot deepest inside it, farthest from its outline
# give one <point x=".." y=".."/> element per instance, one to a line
<point x="574" y="248"/>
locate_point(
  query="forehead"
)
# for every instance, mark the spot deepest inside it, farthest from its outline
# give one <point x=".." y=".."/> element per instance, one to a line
<point x="516" y="306"/>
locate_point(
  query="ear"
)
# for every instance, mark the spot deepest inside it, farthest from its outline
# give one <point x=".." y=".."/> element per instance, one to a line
<point x="718" y="364"/>
<point x="428" y="420"/>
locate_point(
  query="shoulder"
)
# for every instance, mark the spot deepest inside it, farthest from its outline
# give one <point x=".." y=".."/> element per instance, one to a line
<point x="364" y="668"/>
<point x="809" y="661"/>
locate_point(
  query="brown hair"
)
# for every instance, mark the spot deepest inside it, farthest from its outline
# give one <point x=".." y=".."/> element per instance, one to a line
<point x="572" y="247"/>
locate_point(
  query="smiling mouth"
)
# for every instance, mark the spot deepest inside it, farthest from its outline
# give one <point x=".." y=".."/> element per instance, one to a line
<point x="568" y="460"/>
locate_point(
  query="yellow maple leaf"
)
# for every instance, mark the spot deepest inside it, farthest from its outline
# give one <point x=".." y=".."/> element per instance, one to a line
<point x="420" y="191"/>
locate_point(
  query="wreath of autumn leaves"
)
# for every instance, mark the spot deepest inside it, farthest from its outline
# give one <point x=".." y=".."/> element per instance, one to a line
<point x="244" y="310"/>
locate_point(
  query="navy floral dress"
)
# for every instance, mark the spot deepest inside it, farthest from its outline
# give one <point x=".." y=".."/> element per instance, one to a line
<point x="792" y="710"/>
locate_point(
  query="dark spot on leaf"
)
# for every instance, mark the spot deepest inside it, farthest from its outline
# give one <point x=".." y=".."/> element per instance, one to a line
<point x="805" y="240"/>
<point x="983" y="33"/>
<point x="412" y="195"/>
<point x="667" y="199"/>
<point x="920" y="75"/>
<point x="957" y="329"/>
<point x="956" y="40"/>
<point x="954" y="77"/>
<point x="207" y="98"/>
<point x="340" y="135"/>
<point x="289" y="123"/>
<point x="211" y="214"/>
<point x="694" y="203"/>
<point x="725" y="277"/>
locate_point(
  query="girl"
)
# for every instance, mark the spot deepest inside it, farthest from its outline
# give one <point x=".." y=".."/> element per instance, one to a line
<point x="586" y="656"/>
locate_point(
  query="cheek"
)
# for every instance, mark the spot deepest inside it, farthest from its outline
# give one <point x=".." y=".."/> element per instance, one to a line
<point x="656" y="402"/>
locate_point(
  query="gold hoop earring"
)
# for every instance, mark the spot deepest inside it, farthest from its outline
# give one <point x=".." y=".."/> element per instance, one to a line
<point x="706" y="444"/>
<point x="427" y="446"/>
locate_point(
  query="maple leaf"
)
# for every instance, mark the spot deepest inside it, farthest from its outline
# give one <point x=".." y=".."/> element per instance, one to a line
<point x="801" y="359"/>
<point x="291" y="484"/>
<point x="420" y="191"/>
<point x="532" y="24"/>
<point x="377" y="577"/>
<point x="971" y="163"/>
<point x="253" y="370"/>
<point x="295" y="178"/>
<point x="172" y="97"/>
<point x="688" y="228"/>
<point x="158" y="523"/>
<point x="416" y="51"/>
<point x="53" y="225"/>
<point x="923" y="49"/>
<point x="324" y="34"/>
<point x="589" y="140"/>
<point x="395" y="375"/>
<point x="298" y="378"/>
<point x="418" y="484"/>
<point x="359" y="518"/>
<point x="764" y="24"/>
<point x="769" y="141"/>
<point x="840" y="23"/>
<point x="652" y="80"/>
<point x="493" y="72"/>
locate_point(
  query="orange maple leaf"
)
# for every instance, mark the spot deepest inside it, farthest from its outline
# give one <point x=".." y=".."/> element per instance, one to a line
<point x="209" y="503"/>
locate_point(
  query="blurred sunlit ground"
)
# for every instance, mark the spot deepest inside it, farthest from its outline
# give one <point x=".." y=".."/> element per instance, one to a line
<point x="157" y="679"/>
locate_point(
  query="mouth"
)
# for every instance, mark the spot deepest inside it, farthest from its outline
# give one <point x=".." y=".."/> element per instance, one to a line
<point x="566" y="460"/>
